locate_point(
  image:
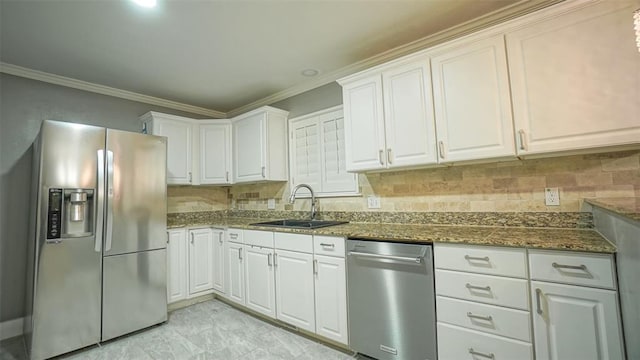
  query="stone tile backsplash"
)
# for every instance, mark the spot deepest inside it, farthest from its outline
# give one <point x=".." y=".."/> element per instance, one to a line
<point x="512" y="186"/>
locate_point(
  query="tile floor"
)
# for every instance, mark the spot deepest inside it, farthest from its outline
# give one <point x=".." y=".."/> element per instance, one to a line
<point x="208" y="330"/>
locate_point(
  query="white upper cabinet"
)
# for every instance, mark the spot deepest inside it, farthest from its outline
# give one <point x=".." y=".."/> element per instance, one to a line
<point x="390" y="128"/>
<point x="408" y="115"/>
<point x="575" y="75"/>
<point x="317" y="153"/>
<point x="472" y="101"/>
<point x="179" y="133"/>
<point x="260" y="145"/>
<point x="215" y="152"/>
<point x="364" y="125"/>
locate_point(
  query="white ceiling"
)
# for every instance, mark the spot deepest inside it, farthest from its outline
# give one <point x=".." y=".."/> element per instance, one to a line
<point x="218" y="55"/>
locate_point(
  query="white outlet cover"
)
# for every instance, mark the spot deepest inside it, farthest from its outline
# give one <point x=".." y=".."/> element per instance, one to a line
<point x="551" y="197"/>
<point x="271" y="204"/>
<point x="373" y="202"/>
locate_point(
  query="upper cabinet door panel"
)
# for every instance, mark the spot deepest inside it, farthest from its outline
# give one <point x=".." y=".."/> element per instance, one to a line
<point x="178" y="149"/>
<point x="408" y="113"/>
<point x="472" y="101"/>
<point x="364" y="128"/>
<point x="215" y="153"/>
<point x="249" y="148"/>
<point x="576" y="79"/>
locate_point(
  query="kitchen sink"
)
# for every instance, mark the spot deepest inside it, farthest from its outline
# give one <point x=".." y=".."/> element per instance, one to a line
<point x="300" y="224"/>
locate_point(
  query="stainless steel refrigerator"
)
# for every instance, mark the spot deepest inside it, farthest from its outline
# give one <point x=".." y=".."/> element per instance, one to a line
<point x="97" y="254"/>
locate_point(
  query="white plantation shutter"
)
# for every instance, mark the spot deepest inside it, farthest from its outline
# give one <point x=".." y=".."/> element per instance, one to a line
<point x="317" y="154"/>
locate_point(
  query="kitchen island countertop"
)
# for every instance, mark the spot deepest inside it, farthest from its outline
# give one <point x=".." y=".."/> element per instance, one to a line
<point x="535" y="238"/>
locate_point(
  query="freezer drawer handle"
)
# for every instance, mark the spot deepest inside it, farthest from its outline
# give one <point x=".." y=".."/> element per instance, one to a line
<point x="417" y="260"/>
<point x="470" y="287"/>
<point x="575" y="267"/>
<point x="488" y="356"/>
<point x="480" y="317"/>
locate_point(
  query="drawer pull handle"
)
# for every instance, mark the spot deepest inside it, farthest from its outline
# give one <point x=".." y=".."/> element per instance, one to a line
<point x="469" y="258"/>
<point x="575" y="267"/>
<point x="538" y="306"/>
<point x="481" y="317"/>
<point x="327" y="245"/>
<point x="469" y="286"/>
<point x="488" y="356"/>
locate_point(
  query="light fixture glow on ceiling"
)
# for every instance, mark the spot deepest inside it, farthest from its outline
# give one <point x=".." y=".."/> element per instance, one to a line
<point x="310" y="72"/>
<point x="146" y="3"/>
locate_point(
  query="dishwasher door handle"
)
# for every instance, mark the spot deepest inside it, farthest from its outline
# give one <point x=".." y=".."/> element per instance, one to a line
<point x="417" y="260"/>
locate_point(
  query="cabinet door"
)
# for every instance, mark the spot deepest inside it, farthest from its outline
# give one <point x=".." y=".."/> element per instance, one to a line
<point x="200" y="260"/>
<point x="215" y="154"/>
<point x="305" y="154"/>
<point x="176" y="265"/>
<point x="249" y="135"/>
<point x="218" y="262"/>
<point x="574" y="322"/>
<point x="364" y="124"/>
<point x="575" y="78"/>
<point x="235" y="272"/>
<point x="408" y="115"/>
<point x="472" y="101"/>
<point x="294" y="289"/>
<point x="331" y="298"/>
<point x="260" y="284"/>
<point x="178" y="135"/>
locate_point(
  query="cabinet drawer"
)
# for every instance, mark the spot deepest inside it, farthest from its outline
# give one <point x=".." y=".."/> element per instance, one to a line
<point x="573" y="268"/>
<point x="328" y="245"/>
<point x="258" y="238"/>
<point x="293" y="242"/>
<point x="486" y="318"/>
<point x="481" y="259"/>
<point x="458" y="343"/>
<point x="483" y="288"/>
<point x="235" y="235"/>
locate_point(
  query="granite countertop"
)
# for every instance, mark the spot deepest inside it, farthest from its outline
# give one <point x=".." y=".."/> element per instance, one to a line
<point x="627" y="207"/>
<point x="538" y="238"/>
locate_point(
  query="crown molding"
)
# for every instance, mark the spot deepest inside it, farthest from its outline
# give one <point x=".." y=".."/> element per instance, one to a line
<point x="493" y="18"/>
<point x="105" y="90"/>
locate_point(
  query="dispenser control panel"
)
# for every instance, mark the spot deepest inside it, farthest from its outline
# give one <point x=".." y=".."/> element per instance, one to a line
<point x="54" y="214"/>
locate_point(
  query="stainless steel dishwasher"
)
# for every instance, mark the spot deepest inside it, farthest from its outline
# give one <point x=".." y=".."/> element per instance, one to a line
<point x="391" y="300"/>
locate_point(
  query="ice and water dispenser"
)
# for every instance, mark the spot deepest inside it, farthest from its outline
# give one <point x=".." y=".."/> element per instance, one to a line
<point x="70" y="213"/>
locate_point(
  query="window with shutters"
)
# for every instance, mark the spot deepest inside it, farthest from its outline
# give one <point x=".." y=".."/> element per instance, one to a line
<point x="317" y="154"/>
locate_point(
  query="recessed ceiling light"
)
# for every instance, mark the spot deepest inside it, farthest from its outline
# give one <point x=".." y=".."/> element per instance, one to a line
<point x="146" y="3"/>
<point x="310" y="72"/>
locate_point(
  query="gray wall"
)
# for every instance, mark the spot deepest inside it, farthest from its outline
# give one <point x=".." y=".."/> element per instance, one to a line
<point x="320" y="98"/>
<point x="24" y="104"/>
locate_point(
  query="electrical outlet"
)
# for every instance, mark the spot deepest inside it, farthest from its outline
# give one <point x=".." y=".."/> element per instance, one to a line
<point x="373" y="202"/>
<point x="271" y="204"/>
<point x="551" y="197"/>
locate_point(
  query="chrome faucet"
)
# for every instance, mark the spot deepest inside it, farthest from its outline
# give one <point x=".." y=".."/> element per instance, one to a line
<point x="292" y="198"/>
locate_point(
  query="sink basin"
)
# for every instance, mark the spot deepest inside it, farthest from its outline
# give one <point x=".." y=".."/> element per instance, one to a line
<point x="300" y="224"/>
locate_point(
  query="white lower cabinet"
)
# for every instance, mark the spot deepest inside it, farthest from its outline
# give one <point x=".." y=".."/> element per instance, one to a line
<point x="235" y="272"/>
<point x="483" y="315"/>
<point x="176" y="265"/>
<point x="294" y="289"/>
<point x="219" y="269"/>
<point x="191" y="265"/>
<point x="260" y="280"/>
<point x="571" y="321"/>
<point x="331" y="297"/>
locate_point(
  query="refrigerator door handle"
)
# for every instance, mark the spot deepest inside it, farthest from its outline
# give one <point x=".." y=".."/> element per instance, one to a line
<point x="100" y="203"/>
<point x="109" y="198"/>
